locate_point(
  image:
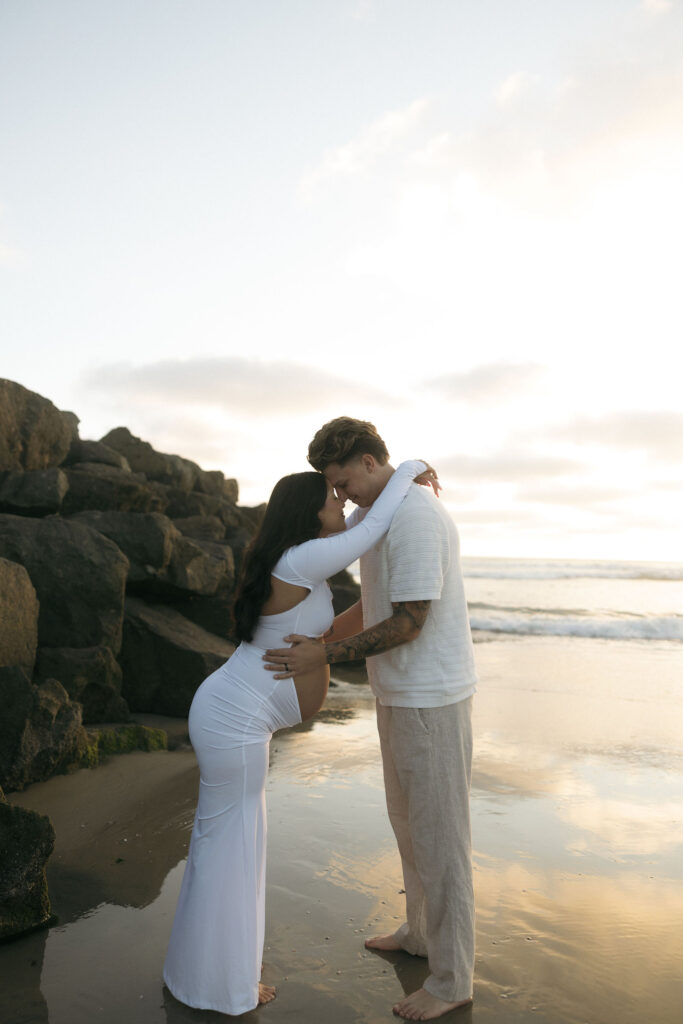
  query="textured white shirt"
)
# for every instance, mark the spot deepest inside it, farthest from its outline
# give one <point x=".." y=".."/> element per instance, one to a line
<point x="419" y="560"/>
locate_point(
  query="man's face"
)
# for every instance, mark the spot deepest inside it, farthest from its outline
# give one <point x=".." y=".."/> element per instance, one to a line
<point x="355" y="480"/>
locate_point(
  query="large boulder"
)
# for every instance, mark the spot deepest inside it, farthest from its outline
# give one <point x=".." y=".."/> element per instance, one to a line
<point x="200" y="567"/>
<point x="165" y="657"/>
<point x="26" y="841"/>
<point x="214" y="614"/>
<point x="95" y="451"/>
<point x="95" y="485"/>
<point x="18" y="617"/>
<point x="79" y="577"/>
<point x="90" y="675"/>
<point x="146" y="539"/>
<point x="38" y="492"/>
<point x="34" y="434"/>
<point x="212" y="481"/>
<point x="201" y="527"/>
<point x="40" y="730"/>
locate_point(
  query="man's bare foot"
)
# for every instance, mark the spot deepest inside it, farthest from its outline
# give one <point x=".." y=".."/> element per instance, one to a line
<point x="387" y="943"/>
<point x="422" y="1005"/>
<point x="266" y="993"/>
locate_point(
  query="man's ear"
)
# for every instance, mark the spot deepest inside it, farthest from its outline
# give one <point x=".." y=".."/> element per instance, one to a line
<point x="369" y="462"/>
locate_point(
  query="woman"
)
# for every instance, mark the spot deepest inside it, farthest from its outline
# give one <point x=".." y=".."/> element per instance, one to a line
<point x="214" y="954"/>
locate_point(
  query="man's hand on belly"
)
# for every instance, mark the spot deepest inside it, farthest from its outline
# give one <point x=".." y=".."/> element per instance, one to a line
<point x="306" y="655"/>
<point x="404" y="625"/>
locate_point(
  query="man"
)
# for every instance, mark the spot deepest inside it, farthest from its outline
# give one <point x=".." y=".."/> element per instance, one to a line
<point x="411" y="624"/>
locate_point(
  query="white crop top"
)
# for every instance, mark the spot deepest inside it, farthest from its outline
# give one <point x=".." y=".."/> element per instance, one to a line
<point x="311" y="564"/>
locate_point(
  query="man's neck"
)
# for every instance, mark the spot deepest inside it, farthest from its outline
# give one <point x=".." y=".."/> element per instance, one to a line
<point x="383" y="475"/>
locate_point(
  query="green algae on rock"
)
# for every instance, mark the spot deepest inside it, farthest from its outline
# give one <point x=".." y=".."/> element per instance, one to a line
<point x="121" y="739"/>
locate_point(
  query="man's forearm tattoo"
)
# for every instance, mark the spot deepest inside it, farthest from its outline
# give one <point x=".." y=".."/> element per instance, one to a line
<point x="405" y="623"/>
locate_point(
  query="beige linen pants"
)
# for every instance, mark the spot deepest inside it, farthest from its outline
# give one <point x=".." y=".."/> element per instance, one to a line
<point x="427" y="759"/>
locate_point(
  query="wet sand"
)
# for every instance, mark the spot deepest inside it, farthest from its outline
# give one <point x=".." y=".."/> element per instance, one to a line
<point x="578" y="858"/>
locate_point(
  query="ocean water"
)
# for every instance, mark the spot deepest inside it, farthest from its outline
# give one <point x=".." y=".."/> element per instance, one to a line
<point x="609" y="600"/>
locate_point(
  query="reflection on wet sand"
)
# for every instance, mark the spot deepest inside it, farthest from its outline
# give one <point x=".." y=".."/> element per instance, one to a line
<point x="576" y="822"/>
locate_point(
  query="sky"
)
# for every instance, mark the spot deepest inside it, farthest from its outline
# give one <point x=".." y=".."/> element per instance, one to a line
<point x="225" y="222"/>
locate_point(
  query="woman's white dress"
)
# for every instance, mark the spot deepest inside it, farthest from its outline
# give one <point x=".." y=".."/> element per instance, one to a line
<point x="214" y="954"/>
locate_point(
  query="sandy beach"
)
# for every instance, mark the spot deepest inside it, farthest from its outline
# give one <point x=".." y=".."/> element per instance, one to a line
<point x="577" y="849"/>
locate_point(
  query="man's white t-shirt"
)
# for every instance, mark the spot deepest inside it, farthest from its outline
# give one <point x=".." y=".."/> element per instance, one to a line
<point x="419" y="560"/>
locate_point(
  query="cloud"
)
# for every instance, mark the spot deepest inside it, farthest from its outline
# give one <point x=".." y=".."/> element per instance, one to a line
<point x="659" y="434"/>
<point x="508" y="467"/>
<point x="489" y="383"/>
<point x="232" y="385"/>
<point x="363" y="152"/>
<point x="656" y="7"/>
<point x="581" y="495"/>
<point x="364" y="10"/>
<point x="513" y="87"/>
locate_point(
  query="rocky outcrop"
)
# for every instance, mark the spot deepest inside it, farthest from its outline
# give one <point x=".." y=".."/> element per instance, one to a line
<point x="26" y="841"/>
<point x="83" y="523"/>
<point x="165" y="657"/>
<point x="34" y="434"/>
<point x="18" y="617"/>
<point x="79" y="577"/>
<point x="40" y="730"/>
<point x="90" y="675"/>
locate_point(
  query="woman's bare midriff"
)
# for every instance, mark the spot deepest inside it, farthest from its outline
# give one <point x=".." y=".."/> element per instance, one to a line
<point x="311" y="687"/>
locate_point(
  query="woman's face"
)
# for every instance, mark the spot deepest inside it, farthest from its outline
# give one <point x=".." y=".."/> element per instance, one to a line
<point x="331" y="515"/>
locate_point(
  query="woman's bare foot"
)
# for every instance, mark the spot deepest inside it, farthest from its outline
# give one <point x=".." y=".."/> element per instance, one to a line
<point x="388" y="943"/>
<point x="422" y="1005"/>
<point x="266" y="993"/>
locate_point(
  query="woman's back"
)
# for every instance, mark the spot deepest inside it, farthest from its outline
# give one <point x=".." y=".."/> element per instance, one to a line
<point x="311" y="616"/>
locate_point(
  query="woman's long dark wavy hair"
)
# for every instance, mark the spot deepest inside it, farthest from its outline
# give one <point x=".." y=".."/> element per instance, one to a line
<point x="291" y="517"/>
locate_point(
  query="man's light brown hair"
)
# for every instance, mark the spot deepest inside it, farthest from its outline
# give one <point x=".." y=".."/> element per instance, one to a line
<point x="344" y="439"/>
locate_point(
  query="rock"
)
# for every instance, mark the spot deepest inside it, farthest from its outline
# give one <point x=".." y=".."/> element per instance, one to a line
<point x="213" y="614"/>
<point x="251" y="517"/>
<point x="94" y="485"/>
<point x="34" y="434"/>
<point x="231" y="491"/>
<point x="201" y="527"/>
<point x="167" y="469"/>
<point x="38" y="492"/>
<point x="165" y="657"/>
<point x="95" y="451"/>
<point x="16" y="700"/>
<point x="18" y="617"/>
<point x="40" y="730"/>
<point x="72" y="421"/>
<point x="101" y="743"/>
<point x="179" y="504"/>
<point x="164" y="563"/>
<point x="79" y="577"/>
<point x="146" y="539"/>
<point x="345" y="591"/>
<point x="90" y="675"/>
<point x="26" y="841"/>
<point x="199" y="567"/>
<point x="239" y="537"/>
<point x="210" y="481"/>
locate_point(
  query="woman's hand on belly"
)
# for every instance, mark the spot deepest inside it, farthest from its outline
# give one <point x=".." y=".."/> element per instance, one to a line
<point x="307" y="654"/>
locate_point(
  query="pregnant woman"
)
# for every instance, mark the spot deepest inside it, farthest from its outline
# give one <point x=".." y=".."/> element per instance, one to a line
<point x="214" y="955"/>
